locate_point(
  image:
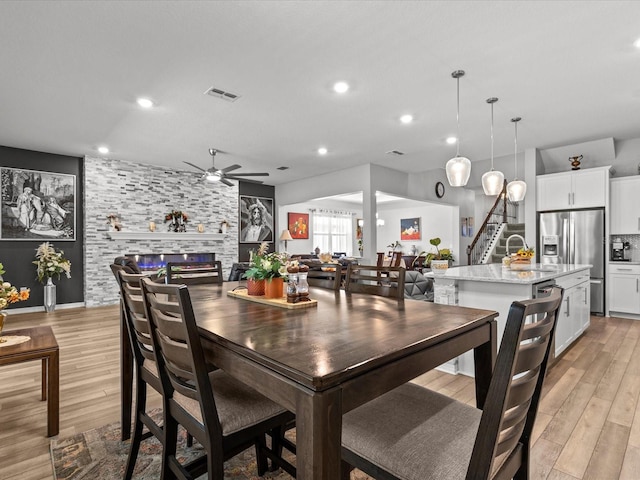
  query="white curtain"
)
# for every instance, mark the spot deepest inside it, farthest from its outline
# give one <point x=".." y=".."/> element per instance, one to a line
<point x="333" y="231"/>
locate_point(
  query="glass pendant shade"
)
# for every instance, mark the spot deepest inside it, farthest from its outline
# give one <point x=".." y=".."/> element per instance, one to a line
<point x="458" y="168"/>
<point x="458" y="171"/>
<point x="493" y="180"/>
<point x="516" y="190"/>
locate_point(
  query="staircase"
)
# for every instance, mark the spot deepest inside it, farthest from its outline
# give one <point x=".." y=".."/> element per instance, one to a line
<point x="501" y="247"/>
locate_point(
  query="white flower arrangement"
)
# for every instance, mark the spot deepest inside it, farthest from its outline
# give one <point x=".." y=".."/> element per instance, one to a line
<point x="50" y="262"/>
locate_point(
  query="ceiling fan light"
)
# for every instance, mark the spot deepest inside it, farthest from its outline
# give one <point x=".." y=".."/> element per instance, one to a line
<point x="492" y="182"/>
<point x="212" y="177"/>
<point x="458" y="171"/>
<point x="516" y="190"/>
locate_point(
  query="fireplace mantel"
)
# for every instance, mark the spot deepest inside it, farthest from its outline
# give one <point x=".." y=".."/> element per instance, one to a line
<point x="165" y="236"/>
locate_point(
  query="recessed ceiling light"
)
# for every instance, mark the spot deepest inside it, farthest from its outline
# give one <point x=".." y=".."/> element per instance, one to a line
<point x="637" y="43"/>
<point x="104" y="150"/>
<point x="406" y="118"/>
<point x="145" y="102"/>
<point x="340" y="87"/>
<point x="322" y="151"/>
<point x="451" y="140"/>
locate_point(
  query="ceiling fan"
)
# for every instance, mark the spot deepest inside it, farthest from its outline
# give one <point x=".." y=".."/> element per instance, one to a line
<point x="214" y="174"/>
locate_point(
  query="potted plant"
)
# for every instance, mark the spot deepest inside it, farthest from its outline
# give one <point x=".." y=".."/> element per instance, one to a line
<point x="50" y="262"/>
<point x="441" y="259"/>
<point x="267" y="272"/>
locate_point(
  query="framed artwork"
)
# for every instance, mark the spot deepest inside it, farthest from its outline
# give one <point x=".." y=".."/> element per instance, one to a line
<point x="256" y="219"/>
<point x="298" y="224"/>
<point x="410" y="229"/>
<point x="359" y="224"/>
<point x="463" y="226"/>
<point x="37" y="205"/>
<point x="470" y="222"/>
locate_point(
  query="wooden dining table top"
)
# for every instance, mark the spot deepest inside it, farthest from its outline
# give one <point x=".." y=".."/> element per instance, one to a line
<point x="343" y="336"/>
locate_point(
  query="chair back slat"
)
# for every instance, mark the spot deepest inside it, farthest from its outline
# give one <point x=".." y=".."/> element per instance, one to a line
<point x="179" y="353"/>
<point x="514" y="393"/>
<point x="374" y="280"/>
<point x="194" y="273"/>
<point x="329" y="276"/>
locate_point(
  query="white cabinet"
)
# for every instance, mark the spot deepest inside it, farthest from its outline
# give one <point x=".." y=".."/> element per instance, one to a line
<point x="624" y="288"/>
<point x="573" y="316"/>
<point x="625" y="206"/>
<point x="576" y="189"/>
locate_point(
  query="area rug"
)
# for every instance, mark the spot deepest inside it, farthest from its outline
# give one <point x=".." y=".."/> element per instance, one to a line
<point x="100" y="454"/>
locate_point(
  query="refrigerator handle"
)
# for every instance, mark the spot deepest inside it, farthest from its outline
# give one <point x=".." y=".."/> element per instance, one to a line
<point x="565" y="240"/>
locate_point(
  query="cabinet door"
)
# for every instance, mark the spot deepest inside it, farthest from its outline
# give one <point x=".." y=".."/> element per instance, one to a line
<point x="583" y="307"/>
<point x="589" y="188"/>
<point x="564" y="324"/>
<point x="624" y="293"/>
<point x="624" y="208"/>
<point x="553" y="192"/>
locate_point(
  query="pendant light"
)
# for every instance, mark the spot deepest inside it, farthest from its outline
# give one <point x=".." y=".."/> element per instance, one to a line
<point x="493" y="180"/>
<point x="516" y="189"/>
<point x="458" y="168"/>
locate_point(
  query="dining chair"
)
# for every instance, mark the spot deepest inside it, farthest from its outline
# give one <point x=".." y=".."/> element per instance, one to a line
<point x="382" y="281"/>
<point x="194" y="273"/>
<point x="413" y="433"/>
<point x="146" y="372"/>
<point x="129" y="264"/>
<point x="328" y="276"/>
<point x="223" y="414"/>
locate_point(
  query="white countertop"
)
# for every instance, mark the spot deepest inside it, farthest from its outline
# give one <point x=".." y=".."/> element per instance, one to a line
<point x="496" y="273"/>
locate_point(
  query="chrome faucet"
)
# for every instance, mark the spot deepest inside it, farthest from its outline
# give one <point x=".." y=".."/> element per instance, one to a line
<point x="524" y="243"/>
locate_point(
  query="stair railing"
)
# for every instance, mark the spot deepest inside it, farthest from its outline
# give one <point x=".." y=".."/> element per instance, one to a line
<point x="482" y="239"/>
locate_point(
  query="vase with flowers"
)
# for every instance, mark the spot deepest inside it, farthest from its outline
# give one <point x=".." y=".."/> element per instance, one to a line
<point x="177" y="220"/>
<point x="268" y="269"/>
<point x="8" y="295"/>
<point x="440" y="260"/>
<point x="521" y="260"/>
<point x="50" y="262"/>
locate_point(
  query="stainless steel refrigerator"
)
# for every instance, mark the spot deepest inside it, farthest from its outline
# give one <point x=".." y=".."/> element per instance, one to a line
<point x="575" y="237"/>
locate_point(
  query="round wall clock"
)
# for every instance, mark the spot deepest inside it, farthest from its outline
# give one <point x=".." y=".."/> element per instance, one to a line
<point x="439" y="190"/>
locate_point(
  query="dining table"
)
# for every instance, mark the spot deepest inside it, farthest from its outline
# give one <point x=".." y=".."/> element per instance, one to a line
<point x="326" y="359"/>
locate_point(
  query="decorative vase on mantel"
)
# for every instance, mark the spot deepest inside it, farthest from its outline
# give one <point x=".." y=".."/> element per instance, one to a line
<point x="49" y="296"/>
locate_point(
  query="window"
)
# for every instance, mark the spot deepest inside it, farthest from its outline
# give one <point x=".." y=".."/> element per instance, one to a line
<point x="333" y="231"/>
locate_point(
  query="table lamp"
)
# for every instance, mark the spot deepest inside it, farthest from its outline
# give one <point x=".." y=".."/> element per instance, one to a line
<point x="285" y="236"/>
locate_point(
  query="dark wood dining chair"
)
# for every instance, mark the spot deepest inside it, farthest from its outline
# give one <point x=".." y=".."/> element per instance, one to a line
<point x="146" y="372"/>
<point x="382" y="281"/>
<point x="413" y="433"/>
<point x="223" y="414"/>
<point x="194" y="273"/>
<point x="329" y="275"/>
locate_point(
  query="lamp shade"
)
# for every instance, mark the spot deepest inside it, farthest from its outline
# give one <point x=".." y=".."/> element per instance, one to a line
<point x="458" y="171"/>
<point x="492" y="182"/>
<point x="516" y="190"/>
<point x="285" y="235"/>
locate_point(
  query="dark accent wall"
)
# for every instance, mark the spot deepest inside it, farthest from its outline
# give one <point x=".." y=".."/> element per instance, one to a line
<point x="17" y="256"/>
<point x="256" y="190"/>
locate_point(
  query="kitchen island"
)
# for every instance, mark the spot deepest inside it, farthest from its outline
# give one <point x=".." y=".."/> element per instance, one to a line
<point x="492" y="286"/>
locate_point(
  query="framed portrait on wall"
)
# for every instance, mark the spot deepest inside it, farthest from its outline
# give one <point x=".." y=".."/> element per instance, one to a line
<point x="298" y="224"/>
<point x="410" y="229"/>
<point x="37" y="205"/>
<point x="256" y="219"/>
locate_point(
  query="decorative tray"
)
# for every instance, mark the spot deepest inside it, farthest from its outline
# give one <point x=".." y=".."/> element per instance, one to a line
<point x="276" y="302"/>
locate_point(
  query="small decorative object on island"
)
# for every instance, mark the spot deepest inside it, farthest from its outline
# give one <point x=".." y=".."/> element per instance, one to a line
<point x="267" y="267"/>
<point x="50" y="262"/>
<point x="575" y="162"/>
<point x="521" y="260"/>
<point x="440" y="260"/>
<point x="177" y="221"/>
<point x="114" y="221"/>
<point x="8" y="295"/>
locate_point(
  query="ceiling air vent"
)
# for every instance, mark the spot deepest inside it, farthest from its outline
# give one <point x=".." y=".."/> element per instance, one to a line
<point x="216" y="92"/>
<point x="395" y="152"/>
<point x="283" y="168"/>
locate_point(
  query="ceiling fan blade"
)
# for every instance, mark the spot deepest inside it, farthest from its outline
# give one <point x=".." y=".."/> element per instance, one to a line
<point x="230" y="168"/>
<point x="247" y="180"/>
<point x="195" y="166"/>
<point x="248" y="174"/>
<point x="226" y="182"/>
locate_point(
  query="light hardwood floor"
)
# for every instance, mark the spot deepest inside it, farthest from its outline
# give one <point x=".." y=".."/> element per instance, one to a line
<point x="588" y="426"/>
